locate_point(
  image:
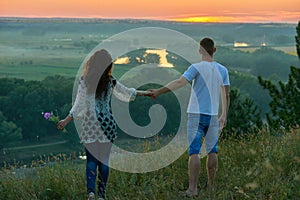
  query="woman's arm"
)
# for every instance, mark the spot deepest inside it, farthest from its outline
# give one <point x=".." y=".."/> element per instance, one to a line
<point x="126" y="94"/>
<point x="76" y="108"/>
<point x="142" y="93"/>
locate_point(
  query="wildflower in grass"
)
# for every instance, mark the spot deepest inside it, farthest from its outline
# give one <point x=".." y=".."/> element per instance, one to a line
<point x="52" y="118"/>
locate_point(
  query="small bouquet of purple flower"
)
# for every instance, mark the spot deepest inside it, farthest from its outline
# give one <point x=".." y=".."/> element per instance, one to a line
<point x="52" y="118"/>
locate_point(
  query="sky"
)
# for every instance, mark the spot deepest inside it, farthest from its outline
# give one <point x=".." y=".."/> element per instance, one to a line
<point x="286" y="11"/>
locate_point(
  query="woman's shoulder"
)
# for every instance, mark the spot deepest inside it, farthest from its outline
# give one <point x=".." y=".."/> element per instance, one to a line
<point x="81" y="82"/>
<point x="113" y="81"/>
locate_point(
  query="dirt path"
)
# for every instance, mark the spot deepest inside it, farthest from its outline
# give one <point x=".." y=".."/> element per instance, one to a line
<point x="37" y="145"/>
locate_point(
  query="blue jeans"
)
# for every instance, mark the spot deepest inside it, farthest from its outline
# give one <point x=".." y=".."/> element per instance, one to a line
<point x="91" y="174"/>
<point x="200" y="125"/>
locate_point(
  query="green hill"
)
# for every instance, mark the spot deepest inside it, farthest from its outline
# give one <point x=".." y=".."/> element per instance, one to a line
<point x="259" y="167"/>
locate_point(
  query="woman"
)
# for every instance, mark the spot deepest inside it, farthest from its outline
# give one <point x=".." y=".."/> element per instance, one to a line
<point x="97" y="127"/>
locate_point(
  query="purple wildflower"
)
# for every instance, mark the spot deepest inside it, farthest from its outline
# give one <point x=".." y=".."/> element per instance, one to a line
<point x="47" y="115"/>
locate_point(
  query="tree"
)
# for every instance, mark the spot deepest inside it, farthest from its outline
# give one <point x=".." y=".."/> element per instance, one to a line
<point x="23" y="106"/>
<point x="285" y="103"/>
<point x="297" y="37"/>
<point x="243" y="116"/>
<point x="22" y="103"/>
<point x="8" y="131"/>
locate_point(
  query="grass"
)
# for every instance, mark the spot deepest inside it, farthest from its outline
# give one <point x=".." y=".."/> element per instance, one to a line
<point x="257" y="167"/>
<point x="35" y="155"/>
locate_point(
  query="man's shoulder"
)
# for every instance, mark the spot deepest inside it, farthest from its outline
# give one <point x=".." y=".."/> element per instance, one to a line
<point x="221" y="67"/>
<point x="198" y="64"/>
<point x="202" y="65"/>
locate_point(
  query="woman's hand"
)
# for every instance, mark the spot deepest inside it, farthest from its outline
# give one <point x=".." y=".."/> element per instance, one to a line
<point x="63" y="123"/>
<point x="143" y="93"/>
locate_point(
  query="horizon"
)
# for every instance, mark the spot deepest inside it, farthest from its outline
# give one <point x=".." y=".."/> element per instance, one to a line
<point x="144" y="19"/>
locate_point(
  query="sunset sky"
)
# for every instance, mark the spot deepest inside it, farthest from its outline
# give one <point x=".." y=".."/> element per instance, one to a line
<point x="188" y="10"/>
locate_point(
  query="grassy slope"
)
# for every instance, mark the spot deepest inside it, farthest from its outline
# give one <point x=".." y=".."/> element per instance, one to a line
<point x="261" y="167"/>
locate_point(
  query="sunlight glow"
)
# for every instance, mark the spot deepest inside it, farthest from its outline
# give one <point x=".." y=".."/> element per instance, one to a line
<point x="162" y="53"/>
<point x="206" y="19"/>
<point x="240" y="44"/>
<point x="122" y="61"/>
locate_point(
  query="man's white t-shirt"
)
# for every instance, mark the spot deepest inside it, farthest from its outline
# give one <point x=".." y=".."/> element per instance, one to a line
<point x="207" y="79"/>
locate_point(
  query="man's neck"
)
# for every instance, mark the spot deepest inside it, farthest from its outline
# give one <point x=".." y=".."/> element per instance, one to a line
<point x="207" y="58"/>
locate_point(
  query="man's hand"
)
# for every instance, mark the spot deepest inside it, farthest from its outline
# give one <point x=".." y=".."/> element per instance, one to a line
<point x="153" y="93"/>
<point x="222" y="122"/>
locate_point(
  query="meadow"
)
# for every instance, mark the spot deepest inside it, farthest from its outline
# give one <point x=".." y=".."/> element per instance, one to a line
<point x="261" y="166"/>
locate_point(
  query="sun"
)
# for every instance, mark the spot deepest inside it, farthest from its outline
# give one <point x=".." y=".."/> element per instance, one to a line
<point x="204" y="19"/>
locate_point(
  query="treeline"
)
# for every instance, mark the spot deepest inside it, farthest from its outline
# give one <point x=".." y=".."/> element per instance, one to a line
<point x="22" y="102"/>
<point x="266" y="62"/>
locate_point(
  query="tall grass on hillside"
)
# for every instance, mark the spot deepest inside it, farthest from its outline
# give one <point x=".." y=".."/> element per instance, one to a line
<point x="261" y="166"/>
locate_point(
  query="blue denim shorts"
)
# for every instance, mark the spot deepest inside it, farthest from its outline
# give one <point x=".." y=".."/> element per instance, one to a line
<point x="200" y="125"/>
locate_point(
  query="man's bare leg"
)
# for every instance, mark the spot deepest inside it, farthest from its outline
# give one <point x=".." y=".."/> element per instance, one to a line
<point x="194" y="168"/>
<point x="211" y="165"/>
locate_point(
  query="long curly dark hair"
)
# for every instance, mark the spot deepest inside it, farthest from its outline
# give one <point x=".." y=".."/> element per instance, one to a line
<point x="100" y="63"/>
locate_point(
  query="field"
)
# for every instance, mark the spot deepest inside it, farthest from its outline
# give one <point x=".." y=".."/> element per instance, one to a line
<point x="34" y="49"/>
<point x="261" y="166"/>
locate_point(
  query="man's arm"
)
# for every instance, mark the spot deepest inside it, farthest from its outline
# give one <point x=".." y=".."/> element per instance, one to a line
<point x="225" y="105"/>
<point x="227" y="95"/>
<point x="171" y="86"/>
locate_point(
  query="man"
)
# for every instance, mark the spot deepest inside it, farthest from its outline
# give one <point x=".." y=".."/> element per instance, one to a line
<point x="209" y="79"/>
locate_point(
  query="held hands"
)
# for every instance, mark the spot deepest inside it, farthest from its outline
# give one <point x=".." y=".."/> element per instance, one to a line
<point x="153" y="93"/>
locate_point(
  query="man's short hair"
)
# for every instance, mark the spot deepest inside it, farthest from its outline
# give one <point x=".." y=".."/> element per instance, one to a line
<point x="208" y="44"/>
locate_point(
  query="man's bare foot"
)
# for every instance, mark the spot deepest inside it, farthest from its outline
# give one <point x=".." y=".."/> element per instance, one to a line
<point x="189" y="193"/>
<point x="211" y="189"/>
